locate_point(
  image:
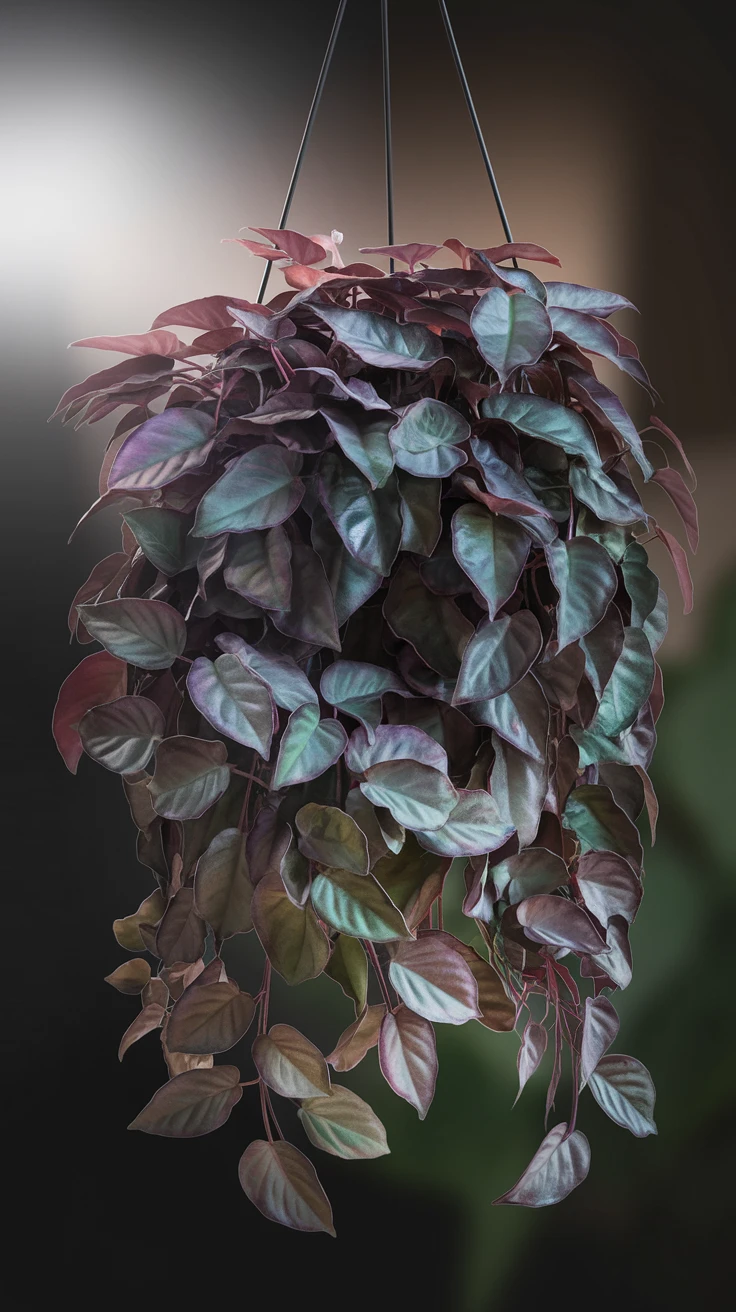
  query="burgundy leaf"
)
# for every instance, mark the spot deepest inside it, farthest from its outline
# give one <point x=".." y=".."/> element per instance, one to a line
<point x="532" y="1049"/>
<point x="559" y="922"/>
<point x="407" y="1052"/>
<point x="98" y="679"/>
<point x="682" y="498"/>
<point x="194" y="1103"/>
<point x="600" y="1027"/>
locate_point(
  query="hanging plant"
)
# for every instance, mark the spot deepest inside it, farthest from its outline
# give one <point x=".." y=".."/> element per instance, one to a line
<point x="382" y="605"/>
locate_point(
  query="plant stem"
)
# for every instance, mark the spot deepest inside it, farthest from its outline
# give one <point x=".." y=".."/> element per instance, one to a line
<point x="378" y="972"/>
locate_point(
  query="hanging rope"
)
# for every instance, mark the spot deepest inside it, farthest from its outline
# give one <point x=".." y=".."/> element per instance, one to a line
<point x="306" y="135"/>
<point x="387" y="127"/>
<point x="474" y="120"/>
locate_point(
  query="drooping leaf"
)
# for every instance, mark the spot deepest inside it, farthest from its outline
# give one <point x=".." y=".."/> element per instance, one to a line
<point x="358" y="1039"/>
<point x="357" y="905"/>
<point x="130" y="978"/>
<point x="590" y="334"/>
<point x="209" y="1018"/>
<point x="640" y="582"/>
<point x="625" y="1090"/>
<point x="127" y="929"/>
<point x="607" y="408"/>
<point x="546" y="420"/>
<point x="147" y="633"/>
<point x="162" y="536"/>
<point x="407" y="1052"/>
<point x="348" y="966"/>
<point x="585" y="578"/>
<point x="611" y="498"/>
<point x="435" y="981"/>
<point x="189" y="777"/>
<point x="363" y="438"/>
<point x="629" y="685"/>
<point x="235" y="701"/>
<point x="149" y="1019"/>
<point x="288" y="684"/>
<point x="421" y="523"/>
<point x="394" y="742"/>
<point x="98" y="679"/>
<point x="350" y="582"/>
<point x="531" y="871"/>
<point x="367" y="519"/>
<point x="222" y="889"/>
<point x="162" y="449"/>
<point x="601" y="648"/>
<point x="121" y="735"/>
<point x="291" y="1065"/>
<point x="259" y="568"/>
<point x="559" y="922"/>
<point x="474" y="826"/>
<point x="357" y="688"/>
<point x="311" y="614"/>
<point x="601" y="825"/>
<point x="435" y="627"/>
<point x="418" y="796"/>
<point x="283" y="1185"/>
<point x="343" y="1125"/>
<point x="531" y="1051"/>
<point x="491" y="550"/>
<point x="608" y="886"/>
<point x="600" y="1027"/>
<point x="181" y="934"/>
<point x="510" y="330"/>
<point x="258" y="490"/>
<point x="292" y="938"/>
<point x="519" y="787"/>
<point x="309" y="746"/>
<point x="498" y="656"/>
<point x="329" y="836"/>
<point x="192" y="1104"/>
<point x="520" y="716"/>
<point x="413" y="879"/>
<point x="571" y="296"/>
<point x="559" y="1165"/>
<point x="381" y="341"/>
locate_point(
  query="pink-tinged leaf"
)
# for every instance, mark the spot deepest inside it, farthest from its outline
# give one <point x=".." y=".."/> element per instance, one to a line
<point x="650" y="798"/>
<point x="282" y="1183"/>
<point x="600" y="1027"/>
<point x="435" y="981"/>
<point x="559" y="922"/>
<point x="407" y="1052"/>
<point x="681" y="497"/>
<point x="571" y="296"/>
<point x="291" y="1065"/>
<point x="209" y="1018"/>
<point x="131" y="978"/>
<point x="358" y="1039"/>
<point x="258" y="248"/>
<point x="149" y="1019"/>
<point x="532" y="1049"/>
<point x="410" y="254"/>
<point x="209" y="313"/>
<point x="521" y="250"/>
<point x="559" y="1165"/>
<point x="190" y="775"/>
<point x="615" y="963"/>
<point x="625" y="1090"/>
<point x="602" y="339"/>
<point x="162" y="449"/>
<point x="674" y="439"/>
<point x="140" y="371"/>
<point x="260" y="321"/>
<point x="609" y="886"/>
<point x="302" y="276"/>
<point x="679" y="560"/>
<point x="191" y="1104"/>
<point x="98" y="679"/>
<point x="297" y="247"/>
<point x="343" y="1125"/>
<point x="152" y="343"/>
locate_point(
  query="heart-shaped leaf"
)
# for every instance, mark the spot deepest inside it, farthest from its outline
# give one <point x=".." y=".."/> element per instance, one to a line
<point x="407" y="1052"/>
<point x="421" y="524"/>
<point x="521" y="716"/>
<point x="491" y="550"/>
<point x="394" y="742"/>
<point x="127" y="929"/>
<point x="121" y="735"/>
<point x="209" y="1018"/>
<point x="348" y="966"/>
<point x="473" y="827"/>
<point x="602" y="648"/>
<point x="235" y="701"/>
<point x="625" y="1090"/>
<point x="194" y="1103"/>
<point x="614" y="966"/>
<point x="309" y="746"/>
<point x="258" y="490"/>
<point x="601" y="402"/>
<point x="150" y="634"/>
<point x="130" y="978"/>
<point x="367" y="519"/>
<point x="222" y="889"/>
<point x="600" y="1027"/>
<point x="311" y="615"/>
<point x="283" y="1185"/>
<point x="510" y="330"/>
<point x="535" y="870"/>
<point x="426" y="425"/>
<point x="559" y="1165"/>
<point x="358" y="1039"/>
<point x="162" y="536"/>
<point x="498" y="656"/>
<point x="584" y="576"/>
<point x="162" y="449"/>
<point x="190" y="775"/>
<point x="436" y="628"/>
<point x="290" y="1064"/>
<point x="181" y="933"/>
<point x="559" y="922"/>
<point x="601" y="825"/>
<point x="350" y="583"/>
<point x="497" y="1011"/>
<point x="608" y="886"/>
<point x="381" y="341"/>
<point x="511" y="491"/>
<point x="413" y="879"/>
<point x="358" y="906"/>
<point x="435" y="981"/>
<point x="289" y="685"/>
<point x="364" y="440"/>
<point x="343" y="1125"/>
<point x="328" y="835"/>
<point x="259" y="568"/>
<point x="519" y="787"/>
<point x="357" y="688"/>
<point x="292" y="938"/>
<point x="612" y="500"/>
<point x="418" y="796"/>
<point x="97" y="679"/>
<point x="628" y="687"/>
<point x="545" y="420"/>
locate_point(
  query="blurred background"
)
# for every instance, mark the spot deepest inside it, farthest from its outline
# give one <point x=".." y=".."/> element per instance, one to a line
<point x="133" y="139"/>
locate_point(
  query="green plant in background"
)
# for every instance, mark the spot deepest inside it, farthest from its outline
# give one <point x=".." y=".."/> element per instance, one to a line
<point x="379" y="675"/>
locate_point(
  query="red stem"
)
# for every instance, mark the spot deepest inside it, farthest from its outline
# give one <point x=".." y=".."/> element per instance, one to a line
<point x="378" y="972"/>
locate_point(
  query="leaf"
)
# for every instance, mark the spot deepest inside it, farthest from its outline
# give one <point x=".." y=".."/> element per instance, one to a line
<point x="209" y="1018"/>
<point x="350" y="583"/>
<point x="511" y="492"/>
<point x="426" y="425"/>
<point x="358" y="688"/>
<point x="162" y="449"/>
<point x="343" y="1125"/>
<point x="233" y="700"/>
<point x="608" y="886"/>
<point x="559" y="1165"/>
<point x="288" y="684"/>
<point x="363" y="438"/>
<point x="571" y="296"/>
<point x="628" y="687"/>
<point x="625" y="1090"/>
<point x="413" y="879"/>
<point x="189" y="777"/>
<point x="436" y="628"/>
<point x="259" y="568"/>
<point x="358" y="1038"/>
<point x="559" y="922"/>
<point x="162" y="536"/>
<point x="357" y="905"/>
<point x="510" y="330"/>
<point x="411" y="253"/>
<point x="130" y="978"/>
<point x="149" y="1019"/>
<point x="181" y="933"/>
<point x="590" y="334"/>
<point x="418" y="796"/>
<point x="616" y="964"/>
<point x="601" y="825"/>
<point x="381" y="341"/>
<point x="367" y="519"/>
<point x="498" y="656"/>
<point x="98" y="679"/>
<point x="258" y="490"/>
<point x="545" y="420"/>
<point x="127" y="929"/>
<point x="309" y="746"/>
<point x="491" y="550"/>
<point x="531" y="1051"/>
<point x="520" y="716"/>
<point x="291" y="1065"/>
<point x="585" y="578"/>
<point x="311" y="615"/>
<point x="348" y="966"/>
<point x="682" y="569"/>
<point x="435" y="981"/>
<point x="534" y="870"/>
<point x="640" y="582"/>
<point x="421" y="523"/>
<point x="222" y="889"/>
<point x="612" y="499"/>
<point x="292" y="939"/>
<point x="283" y="1185"/>
<point x="394" y="742"/>
<point x="602" y="647"/>
<point x="407" y="1052"/>
<point x="194" y="1103"/>
<point x="473" y="827"/>
<point x="519" y="787"/>
<point x="607" y="408"/>
<point x="146" y="633"/>
<point x="121" y="735"/>
<point x="497" y="1011"/>
<point x="600" y="1027"/>
<point x="328" y="835"/>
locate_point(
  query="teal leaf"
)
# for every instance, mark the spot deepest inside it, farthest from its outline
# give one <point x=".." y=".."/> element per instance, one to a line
<point x="233" y="700"/>
<point x="310" y="615"/>
<point x="601" y="825"/>
<point x="473" y="827"/>
<point x="498" y="656"/>
<point x="381" y="341"/>
<point x="435" y="980"/>
<point x="629" y="686"/>
<point x="289" y="685"/>
<point x="625" y="1090"/>
<point x="640" y="582"/>
<point x="358" y="906"/>
<point x="520" y="716"/>
<point x="259" y="568"/>
<point x="417" y="795"/>
<point x="161" y="535"/>
<point x="510" y="330"/>
<point x="426" y="425"/>
<point x="357" y="688"/>
<point x="331" y="837"/>
<point x="584" y="576"/>
<point x="367" y="519"/>
<point x="363" y="438"/>
<point x="421" y="522"/>
<point x="611" y="497"/>
<point x="439" y="463"/>
<point x="519" y="787"/>
<point x="343" y="1125"/>
<point x="351" y="583"/>
<point x="492" y="550"/>
<point x="258" y="490"/>
<point x="309" y="746"/>
<point x="146" y="633"/>
<point x="545" y="420"/>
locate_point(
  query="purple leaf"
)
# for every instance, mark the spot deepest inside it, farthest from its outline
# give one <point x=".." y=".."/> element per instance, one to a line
<point x="498" y="656"/>
<point x="192" y="1104"/>
<point x="600" y="1027"/>
<point x="559" y="1165"/>
<point x="407" y="1052"/>
<point x="571" y="296"/>
<point x="283" y="1185"/>
<point x="532" y="1049"/>
<point x="608" y="886"/>
<point x="235" y="701"/>
<point x="162" y="449"/>
<point x="98" y="679"/>
<point x="435" y="981"/>
<point x="625" y="1090"/>
<point x="559" y="922"/>
<point x="510" y="330"/>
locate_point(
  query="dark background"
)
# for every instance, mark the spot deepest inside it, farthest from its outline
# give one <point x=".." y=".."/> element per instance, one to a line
<point x="135" y="137"/>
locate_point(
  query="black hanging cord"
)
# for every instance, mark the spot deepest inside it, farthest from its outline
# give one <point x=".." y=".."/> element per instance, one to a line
<point x="387" y="127"/>
<point x="474" y="120"/>
<point x="306" y="135"/>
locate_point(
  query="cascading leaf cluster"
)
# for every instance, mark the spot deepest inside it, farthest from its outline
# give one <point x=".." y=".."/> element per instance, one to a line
<point x="382" y="607"/>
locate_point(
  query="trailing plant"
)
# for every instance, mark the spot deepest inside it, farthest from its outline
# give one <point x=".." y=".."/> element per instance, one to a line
<point x="382" y="607"/>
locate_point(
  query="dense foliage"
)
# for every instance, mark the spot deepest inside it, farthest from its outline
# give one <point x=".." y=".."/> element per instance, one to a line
<point x="382" y="607"/>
